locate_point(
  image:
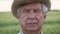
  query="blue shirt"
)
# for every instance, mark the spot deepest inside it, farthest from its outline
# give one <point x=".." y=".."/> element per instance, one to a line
<point x="22" y="32"/>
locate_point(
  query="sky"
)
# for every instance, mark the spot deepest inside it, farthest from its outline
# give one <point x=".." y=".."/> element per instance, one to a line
<point x="5" y="5"/>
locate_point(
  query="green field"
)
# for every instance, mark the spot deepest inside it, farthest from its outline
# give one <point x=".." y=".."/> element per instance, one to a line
<point x="10" y="25"/>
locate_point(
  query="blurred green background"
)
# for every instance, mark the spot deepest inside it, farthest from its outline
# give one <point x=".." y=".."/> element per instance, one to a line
<point x="10" y="25"/>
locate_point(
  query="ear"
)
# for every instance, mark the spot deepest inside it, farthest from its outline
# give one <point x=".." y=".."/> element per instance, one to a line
<point x="44" y="16"/>
<point x="18" y="17"/>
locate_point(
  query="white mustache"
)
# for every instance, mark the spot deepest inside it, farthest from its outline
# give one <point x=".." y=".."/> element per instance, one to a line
<point x="32" y="21"/>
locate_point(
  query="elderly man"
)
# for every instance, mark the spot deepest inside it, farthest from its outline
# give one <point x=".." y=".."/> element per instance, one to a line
<point x="31" y="14"/>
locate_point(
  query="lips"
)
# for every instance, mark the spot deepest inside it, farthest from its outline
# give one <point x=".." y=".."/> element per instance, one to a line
<point x="32" y="22"/>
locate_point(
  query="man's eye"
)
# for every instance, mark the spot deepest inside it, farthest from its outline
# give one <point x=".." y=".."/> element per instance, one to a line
<point x="37" y="10"/>
<point x="26" y="11"/>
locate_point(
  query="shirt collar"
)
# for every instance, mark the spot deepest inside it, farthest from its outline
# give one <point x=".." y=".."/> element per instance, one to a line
<point x="22" y="32"/>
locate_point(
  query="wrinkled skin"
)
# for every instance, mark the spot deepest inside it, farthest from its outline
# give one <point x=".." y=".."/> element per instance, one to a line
<point x="31" y="17"/>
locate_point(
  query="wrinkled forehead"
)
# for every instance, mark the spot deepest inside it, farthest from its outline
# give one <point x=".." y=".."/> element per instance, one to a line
<point x="32" y="6"/>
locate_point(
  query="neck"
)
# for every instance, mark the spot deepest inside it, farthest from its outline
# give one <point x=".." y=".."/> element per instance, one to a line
<point x="31" y="32"/>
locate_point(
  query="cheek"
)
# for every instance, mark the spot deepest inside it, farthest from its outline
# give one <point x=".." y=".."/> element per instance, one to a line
<point x="23" y="19"/>
<point x="40" y="18"/>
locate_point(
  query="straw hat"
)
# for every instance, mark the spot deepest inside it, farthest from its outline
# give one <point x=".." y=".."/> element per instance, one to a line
<point x="18" y="3"/>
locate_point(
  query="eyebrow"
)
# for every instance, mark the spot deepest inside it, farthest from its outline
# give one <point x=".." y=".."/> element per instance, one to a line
<point x="31" y="9"/>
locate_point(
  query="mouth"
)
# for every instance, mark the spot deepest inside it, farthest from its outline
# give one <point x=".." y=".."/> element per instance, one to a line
<point x="31" y="22"/>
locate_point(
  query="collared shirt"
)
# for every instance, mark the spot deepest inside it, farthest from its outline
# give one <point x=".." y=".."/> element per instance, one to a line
<point x="22" y="32"/>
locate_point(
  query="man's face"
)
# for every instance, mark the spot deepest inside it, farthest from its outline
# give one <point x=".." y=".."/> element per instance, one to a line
<point x="31" y="17"/>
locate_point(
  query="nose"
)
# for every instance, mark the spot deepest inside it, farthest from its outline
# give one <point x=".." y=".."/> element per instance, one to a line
<point x="32" y="15"/>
